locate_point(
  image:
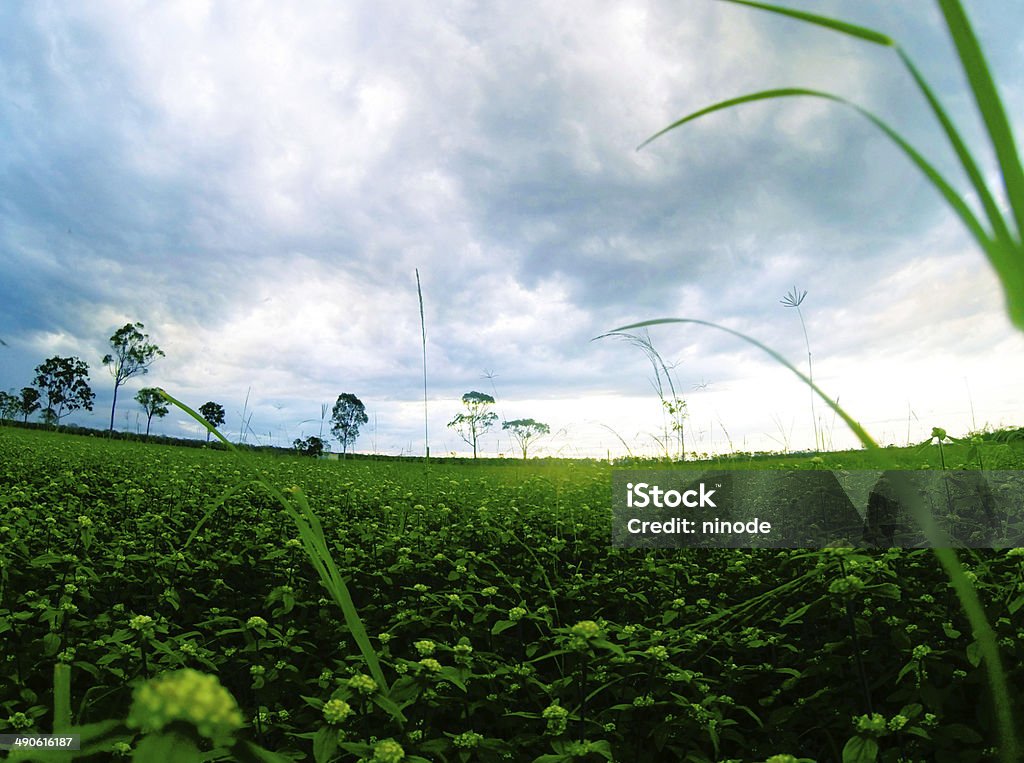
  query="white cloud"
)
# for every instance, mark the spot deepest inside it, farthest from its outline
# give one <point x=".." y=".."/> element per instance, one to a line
<point x="258" y="183"/>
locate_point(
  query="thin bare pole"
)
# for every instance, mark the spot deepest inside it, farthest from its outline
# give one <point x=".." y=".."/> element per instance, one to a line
<point x="423" y="333"/>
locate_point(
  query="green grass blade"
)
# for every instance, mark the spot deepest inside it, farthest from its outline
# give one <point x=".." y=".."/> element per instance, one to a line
<point x="315" y="545"/>
<point x="986" y="637"/>
<point x="1004" y="260"/>
<point x="853" y="30"/>
<point x="61" y="698"/>
<point x="727" y="104"/>
<point x="209" y="513"/>
<point x="61" y="705"/>
<point x="975" y="612"/>
<point x="995" y="216"/>
<point x="342" y="596"/>
<point x="857" y="429"/>
<point x="873" y="36"/>
<point x="933" y="175"/>
<point x="989" y="104"/>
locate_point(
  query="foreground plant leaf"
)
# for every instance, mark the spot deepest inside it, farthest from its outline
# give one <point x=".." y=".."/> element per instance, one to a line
<point x="1001" y="246"/>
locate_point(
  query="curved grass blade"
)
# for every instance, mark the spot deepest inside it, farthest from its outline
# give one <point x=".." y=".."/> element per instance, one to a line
<point x="933" y="175"/>
<point x="209" y="513"/>
<point x="1008" y="266"/>
<point x="857" y="429"/>
<point x="992" y="211"/>
<point x="312" y="535"/>
<point x="989" y="104"/>
<point x="967" y="594"/>
<point x="986" y="637"/>
<point x="863" y="33"/>
<point x="999" y="227"/>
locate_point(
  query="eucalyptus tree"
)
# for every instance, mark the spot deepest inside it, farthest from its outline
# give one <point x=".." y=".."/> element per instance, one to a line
<point x="477" y="419"/>
<point x="132" y="356"/>
<point x="63" y="384"/>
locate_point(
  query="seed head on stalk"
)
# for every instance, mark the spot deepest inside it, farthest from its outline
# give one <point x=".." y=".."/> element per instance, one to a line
<point x="795" y="298"/>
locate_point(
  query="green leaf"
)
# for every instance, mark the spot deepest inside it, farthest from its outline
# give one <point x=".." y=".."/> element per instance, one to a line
<point x="974" y="653"/>
<point x="501" y="626"/>
<point x="605" y="644"/>
<point x="853" y="30"/>
<point x="941" y="184"/>
<point x="51" y="644"/>
<point x="602" y="748"/>
<point x="1016" y="604"/>
<point x="797" y="615"/>
<point x="906" y="669"/>
<point x="966" y="159"/>
<point x="385" y="704"/>
<point x="887" y="590"/>
<point x="247" y="752"/>
<point x="451" y="674"/>
<point x="167" y="747"/>
<point x="325" y="744"/>
<point x="860" y="750"/>
<point x="983" y="87"/>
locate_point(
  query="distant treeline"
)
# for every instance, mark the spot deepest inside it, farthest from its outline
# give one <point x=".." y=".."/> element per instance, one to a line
<point x="188" y="442"/>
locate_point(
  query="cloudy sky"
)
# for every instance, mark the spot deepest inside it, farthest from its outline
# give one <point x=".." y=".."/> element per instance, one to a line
<point x="258" y="182"/>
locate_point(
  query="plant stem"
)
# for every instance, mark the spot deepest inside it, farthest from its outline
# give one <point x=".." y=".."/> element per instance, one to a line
<point x="810" y="375"/>
<point x="856" y="648"/>
<point x="423" y="336"/>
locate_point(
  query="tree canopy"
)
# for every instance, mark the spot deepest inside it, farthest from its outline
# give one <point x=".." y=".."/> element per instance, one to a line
<point x="311" y="446"/>
<point x="133" y="354"/>
<point x="152" y="403"/>
<point x="525" y="431"/>
<point x="347" y="416"/>
<point x="213" y="413"/>
<point x="472" y="424"/>
<point x="64" y="386"/>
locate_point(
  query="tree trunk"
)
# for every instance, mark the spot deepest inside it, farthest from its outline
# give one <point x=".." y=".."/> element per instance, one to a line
<point x="148" y="421"/>
<point x="112" y="407"/>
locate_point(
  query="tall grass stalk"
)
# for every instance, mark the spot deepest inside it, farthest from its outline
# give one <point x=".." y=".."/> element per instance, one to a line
<point x="61" y="704"/>
<point x="937" y="539"/>
<point x="315" y="545"/>
<point x="795" y="299"/>
<point x="673" y="406"/>
<point x="423" y="339"/>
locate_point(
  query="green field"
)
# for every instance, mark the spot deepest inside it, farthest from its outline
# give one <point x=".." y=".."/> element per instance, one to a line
<point x="502" y="622"/>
